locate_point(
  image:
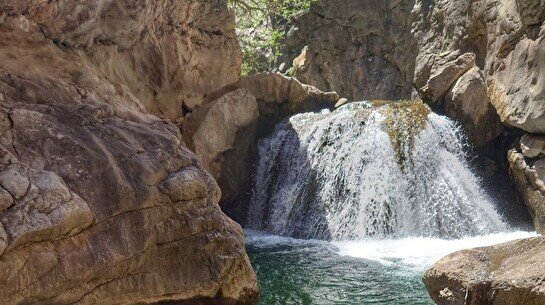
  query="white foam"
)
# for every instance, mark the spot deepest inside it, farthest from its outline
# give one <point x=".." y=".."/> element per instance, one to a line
<point x="419" y="252"/>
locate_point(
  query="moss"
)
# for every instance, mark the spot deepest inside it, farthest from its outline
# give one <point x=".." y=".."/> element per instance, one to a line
<point x="405" y="119"/>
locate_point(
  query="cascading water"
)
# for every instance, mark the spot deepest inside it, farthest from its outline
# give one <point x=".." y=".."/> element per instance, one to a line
<point x="361" y="171"/>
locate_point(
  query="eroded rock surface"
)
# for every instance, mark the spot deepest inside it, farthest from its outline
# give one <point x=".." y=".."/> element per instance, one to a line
<point x="506" y="274"/>
<point x="100" y="200"/>
<point x="221" y="134"/>
<point x="529" y="177"/>
<point x="394" y="49"/>
<point x="468" y="103"/>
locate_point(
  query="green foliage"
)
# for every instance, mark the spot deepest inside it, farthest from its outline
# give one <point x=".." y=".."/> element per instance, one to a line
<point x="261" y="29"/>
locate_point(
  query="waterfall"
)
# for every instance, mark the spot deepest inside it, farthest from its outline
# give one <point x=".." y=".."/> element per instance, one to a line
<point x="365" y="171"/>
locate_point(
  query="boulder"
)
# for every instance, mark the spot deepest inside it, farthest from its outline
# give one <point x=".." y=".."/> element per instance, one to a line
<point x="505" y="274"/>
<point x="444" y="74"/>
<point x="100" y="200"/>
<point x="221" y="133"/>
<point x="529" y="181"/>
<point x="532" y="146"/>
<point x="468" y="103"/>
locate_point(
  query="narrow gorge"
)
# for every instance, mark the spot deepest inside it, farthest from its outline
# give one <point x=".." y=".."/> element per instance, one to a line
<point x="272" y="152"/>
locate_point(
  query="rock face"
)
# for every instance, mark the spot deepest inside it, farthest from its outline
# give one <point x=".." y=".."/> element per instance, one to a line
<point x="506" y="274"/>
<point x="100" y="200"/>
<point x="393" y="49"/>
<point x="355" y="48"/>
<point x="468" y="103"/>
<point x="529" y="177"/>
<point x="221" y="133"/>
<point x="141" y="45"/>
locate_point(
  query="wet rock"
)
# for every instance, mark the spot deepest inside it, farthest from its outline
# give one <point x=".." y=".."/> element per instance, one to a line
<point x="506" y="274"/>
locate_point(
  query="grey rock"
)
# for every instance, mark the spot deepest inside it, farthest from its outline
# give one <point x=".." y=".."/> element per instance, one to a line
<point x="531" y="145"/>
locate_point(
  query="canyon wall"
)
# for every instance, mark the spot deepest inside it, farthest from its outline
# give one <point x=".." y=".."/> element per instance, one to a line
<point x="100" y="200"/>
<point x="480" y="62"/>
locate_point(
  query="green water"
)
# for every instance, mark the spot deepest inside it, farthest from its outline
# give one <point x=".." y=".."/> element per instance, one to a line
<point x="313" y="273"/>
<point x="292" y="271"/>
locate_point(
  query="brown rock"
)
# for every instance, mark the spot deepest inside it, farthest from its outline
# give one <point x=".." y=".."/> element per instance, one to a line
<point x="444" y="75"/>
<point x="506" y="274"/>
<point x="6" y="200"/>
<point x="139" y="47"/>
<point x="221" y="133"/>
<point x="108" y="205"/>
<point x="531" y="186"/>
<point x="275" y="88"/>
<point x="468" y="102"/>
<point x="15" y="181"/>
<point x="362" y="49"/>
<point x="366" y="49"/>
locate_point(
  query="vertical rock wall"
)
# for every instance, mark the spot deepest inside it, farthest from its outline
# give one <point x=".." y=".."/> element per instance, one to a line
<point x="100" y="200"/>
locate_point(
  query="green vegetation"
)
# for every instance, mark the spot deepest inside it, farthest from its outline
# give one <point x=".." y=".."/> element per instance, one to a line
<point x="261" y="27"/>
<point x="405" y="119"/>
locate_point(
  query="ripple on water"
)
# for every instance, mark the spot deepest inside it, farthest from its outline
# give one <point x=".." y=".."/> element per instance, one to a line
<point x="293" y="271"/>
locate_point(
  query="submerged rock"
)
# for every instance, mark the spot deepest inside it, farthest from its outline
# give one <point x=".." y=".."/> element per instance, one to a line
<point x="505" y="274"/>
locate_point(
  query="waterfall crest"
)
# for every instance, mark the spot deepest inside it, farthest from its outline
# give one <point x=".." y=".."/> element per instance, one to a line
<point x="363" y="171"/>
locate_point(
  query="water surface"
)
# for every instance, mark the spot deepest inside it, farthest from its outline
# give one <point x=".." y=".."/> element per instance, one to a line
<point x="293" y="271"/>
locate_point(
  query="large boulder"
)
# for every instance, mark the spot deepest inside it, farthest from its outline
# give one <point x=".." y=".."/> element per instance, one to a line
<point x="468" y="103"/>
<point x="505" y="274"/>
<point x="100" y="200"/>
<point x="221" y="134"/>
<point x="444" y="74"/>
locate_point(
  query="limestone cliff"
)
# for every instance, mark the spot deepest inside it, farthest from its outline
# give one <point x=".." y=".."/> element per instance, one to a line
<point x="100" y="200"/>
